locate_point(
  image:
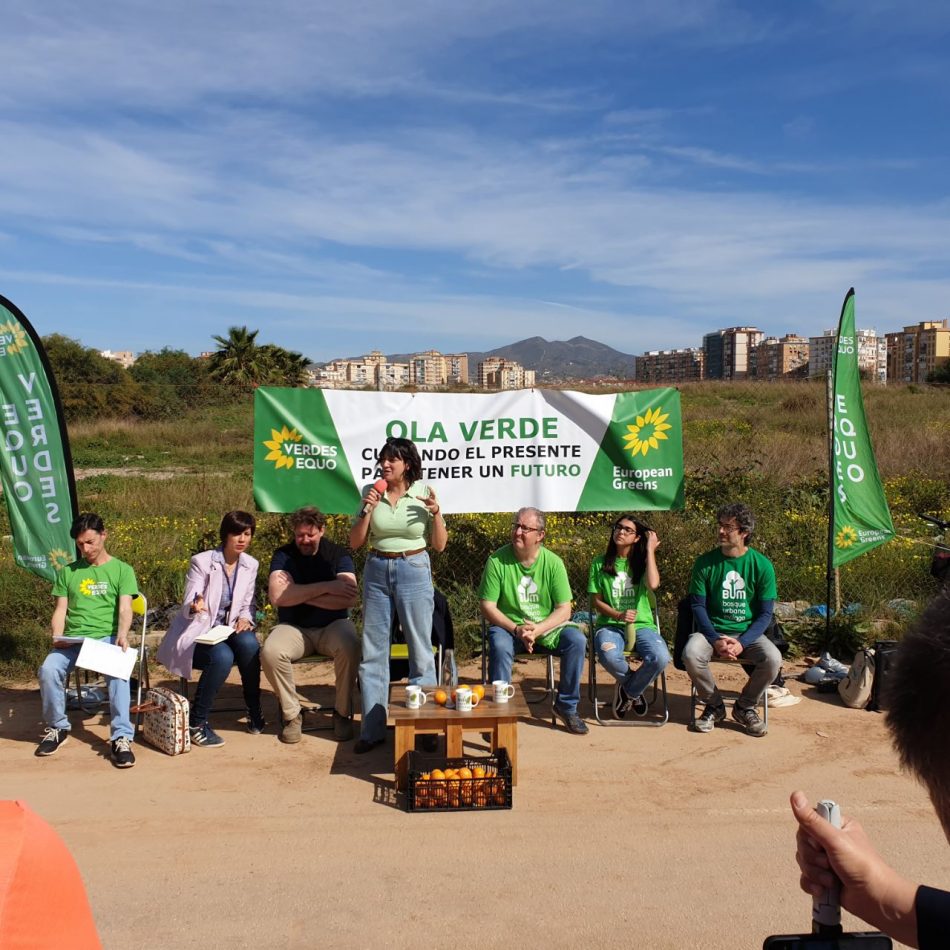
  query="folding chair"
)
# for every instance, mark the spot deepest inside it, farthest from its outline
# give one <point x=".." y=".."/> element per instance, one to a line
<point x="548" y="692"/>
<point x="658" y="685"/>
<point x="139" y="609"/>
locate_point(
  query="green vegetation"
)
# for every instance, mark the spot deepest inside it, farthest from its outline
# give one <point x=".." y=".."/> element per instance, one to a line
<point x="163" y="485"/>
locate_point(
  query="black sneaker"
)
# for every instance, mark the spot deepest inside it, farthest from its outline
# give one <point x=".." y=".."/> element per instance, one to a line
<point x="342" y="727"/>
<point x="711" y="715"/>
<point x="640" y="706"/>
<point x="622" y="703"/>
<point x="572" y="721"/>
<point x="205" y="736"/>
<point x="52" y="740"/>
<point x="122" y="756"/>
<point x="255" y="722"/>
<point x="750" y="721"/>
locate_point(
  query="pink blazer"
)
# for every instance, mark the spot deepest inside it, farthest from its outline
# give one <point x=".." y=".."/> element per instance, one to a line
<point x="206" y="577"/>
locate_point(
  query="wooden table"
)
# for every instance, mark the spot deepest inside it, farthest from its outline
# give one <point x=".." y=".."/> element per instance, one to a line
<point x="498" y="719"/>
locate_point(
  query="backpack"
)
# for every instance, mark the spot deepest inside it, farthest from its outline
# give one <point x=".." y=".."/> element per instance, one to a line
<point x="855" y="688"/>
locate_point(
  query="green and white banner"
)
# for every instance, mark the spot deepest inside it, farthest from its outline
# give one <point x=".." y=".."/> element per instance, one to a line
<point x="35" y="464"/>
<point x="862" y="519"/>
<point x="558" y="451"/>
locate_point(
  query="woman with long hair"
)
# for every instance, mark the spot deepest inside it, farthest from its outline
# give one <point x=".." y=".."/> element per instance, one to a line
<point x="398" y="524"/>
<point x="620" y="583"/>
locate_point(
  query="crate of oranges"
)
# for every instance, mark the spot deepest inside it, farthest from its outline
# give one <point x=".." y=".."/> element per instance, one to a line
<point x="465" y="784"/>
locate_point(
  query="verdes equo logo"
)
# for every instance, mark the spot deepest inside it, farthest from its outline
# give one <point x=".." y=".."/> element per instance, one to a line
<point x="647" y="432"/>
<point x="13" y="338"/>
<point x="289" y="451"/>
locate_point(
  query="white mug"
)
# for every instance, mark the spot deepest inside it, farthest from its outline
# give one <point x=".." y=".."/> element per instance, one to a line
<point x="503" y="690"/>
<point x="465" y="699"/>
<point x="415" y="697"/>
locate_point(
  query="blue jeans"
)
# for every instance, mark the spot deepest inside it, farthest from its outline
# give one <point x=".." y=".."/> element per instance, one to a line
<point x="53" y="675"/>
<point x="215" y="662"/>
<point x="651" y="648"/>
<point x="403" y="585"/>
<point x="571" y="648"/>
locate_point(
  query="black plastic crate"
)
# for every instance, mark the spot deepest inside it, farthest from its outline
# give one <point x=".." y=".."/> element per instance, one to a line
<point x="491" y="791"/>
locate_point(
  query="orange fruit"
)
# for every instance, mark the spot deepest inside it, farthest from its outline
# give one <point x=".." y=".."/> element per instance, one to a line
<point x="478" y="772"/>
<point x="437" y="775"/>
<point x="479" y="689"/>
<point x="465" y="773"/>
<point x="440" y="696"/>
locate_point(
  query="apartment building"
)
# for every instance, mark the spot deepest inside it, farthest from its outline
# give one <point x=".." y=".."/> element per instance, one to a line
<point x="872" y="354"/>
<point x="671" y="366"/>
<point x="916" y="351"/>
<point x="780" y="358"/>
<point x="498" y="373"/>
<point x="728" y="351"/>
<point x="125" y="358"/>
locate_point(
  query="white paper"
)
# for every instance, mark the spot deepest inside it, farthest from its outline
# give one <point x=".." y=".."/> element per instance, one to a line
<point x="104" y="657"/>
<point x="215" y="635"/>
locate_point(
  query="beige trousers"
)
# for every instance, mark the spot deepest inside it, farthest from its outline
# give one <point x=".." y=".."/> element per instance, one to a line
<point x="286" y="643"/>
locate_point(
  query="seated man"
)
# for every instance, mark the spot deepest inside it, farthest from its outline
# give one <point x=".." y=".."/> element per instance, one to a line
<point x="312" y="584"/>
<point x="526" y="599"/>
<point x="732" y="592"/>
<point x="93" y="599"/>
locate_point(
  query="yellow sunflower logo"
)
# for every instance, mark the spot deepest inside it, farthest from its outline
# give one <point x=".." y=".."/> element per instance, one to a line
<point x="276" y="445"/>
<point x="846" y="537"/>
<point x="19" y="336"/>
<point x="650" y="429"/>
<point x="58" y="559"/>
<point x="85" y="586"/>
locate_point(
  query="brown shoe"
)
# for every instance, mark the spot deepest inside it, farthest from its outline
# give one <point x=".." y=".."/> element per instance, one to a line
<point x="292" y="731"/>
<point x="342" y="727"/>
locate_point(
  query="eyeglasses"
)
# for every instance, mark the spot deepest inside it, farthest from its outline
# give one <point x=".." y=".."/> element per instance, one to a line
<point x="517" y="526"/>
<point x="623" y="529"/>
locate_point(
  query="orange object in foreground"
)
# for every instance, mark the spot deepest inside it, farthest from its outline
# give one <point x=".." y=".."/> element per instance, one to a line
<point x="43" y="900"/>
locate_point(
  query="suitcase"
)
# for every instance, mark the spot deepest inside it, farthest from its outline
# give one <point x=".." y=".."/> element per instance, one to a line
<point x="165" y="720"/>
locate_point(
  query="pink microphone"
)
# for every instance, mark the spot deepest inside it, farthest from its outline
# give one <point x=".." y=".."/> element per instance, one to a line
<point x="380" y="486"/>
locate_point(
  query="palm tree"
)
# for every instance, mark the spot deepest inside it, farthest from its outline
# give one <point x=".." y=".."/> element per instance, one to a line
<point x="239" y="361"/>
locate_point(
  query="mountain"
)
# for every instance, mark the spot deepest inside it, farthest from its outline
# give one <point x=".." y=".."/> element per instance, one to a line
<point x="577" y="358"/>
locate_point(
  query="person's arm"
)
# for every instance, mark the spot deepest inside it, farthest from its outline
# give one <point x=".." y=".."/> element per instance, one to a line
<point x="438" y="532"/>
<point x="247" y="609"/>
<point x="495" y="617"/>
<point x="58" y="620"/>
<point x="698" y="604"/>
<point x="759" y="625"/>
<point x="125" y="621"/>
<point x="611" y="613"/>
<point x="359" y="531"/>
<point x="337" y="594"/>
<point x="870" y="888"/>
<point x="651" y="574"/>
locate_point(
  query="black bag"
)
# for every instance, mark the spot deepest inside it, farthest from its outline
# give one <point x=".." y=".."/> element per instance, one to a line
<point x="885" y="653"/>
<point x="940" y="564"/>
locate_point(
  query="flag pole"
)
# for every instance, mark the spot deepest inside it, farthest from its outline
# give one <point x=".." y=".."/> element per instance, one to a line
<point x="829" y="569"/>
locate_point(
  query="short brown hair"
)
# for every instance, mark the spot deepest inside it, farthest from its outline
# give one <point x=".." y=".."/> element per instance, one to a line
<point x="308" y="515"/>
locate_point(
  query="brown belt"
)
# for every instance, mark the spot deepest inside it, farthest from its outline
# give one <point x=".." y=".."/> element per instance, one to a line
<point x="392" y="555"/>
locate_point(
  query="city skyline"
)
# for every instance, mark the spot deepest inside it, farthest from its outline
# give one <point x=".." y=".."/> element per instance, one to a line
<point x="463" y="176"/>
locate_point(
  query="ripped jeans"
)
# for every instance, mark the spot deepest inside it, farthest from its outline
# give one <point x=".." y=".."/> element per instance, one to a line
<point x="650" y="647"/>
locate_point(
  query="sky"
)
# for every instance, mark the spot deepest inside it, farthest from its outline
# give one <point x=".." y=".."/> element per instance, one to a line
<point x="463" y="174"/>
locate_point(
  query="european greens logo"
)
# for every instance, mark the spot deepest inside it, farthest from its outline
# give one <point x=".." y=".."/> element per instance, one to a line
<point x="846" y="537"/>
<point x="649" y="430"/>
<point x="13" y="338"/>
<point x="58" y="559"/>
<point x="288" y="450"/>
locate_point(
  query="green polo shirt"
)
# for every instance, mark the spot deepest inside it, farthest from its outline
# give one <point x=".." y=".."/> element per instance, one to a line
<point x="403" y="527"/>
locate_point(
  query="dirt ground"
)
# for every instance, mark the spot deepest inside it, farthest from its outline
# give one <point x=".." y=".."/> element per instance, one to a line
<point x="627" y="836"/>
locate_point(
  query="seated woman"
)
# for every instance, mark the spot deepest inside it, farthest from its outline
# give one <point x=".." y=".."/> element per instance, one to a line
<point x="219" y="590"/>
<point x="620" y="582"/>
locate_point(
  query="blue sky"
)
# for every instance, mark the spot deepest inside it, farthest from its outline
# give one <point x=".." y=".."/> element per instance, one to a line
<point x="400" y="175"/>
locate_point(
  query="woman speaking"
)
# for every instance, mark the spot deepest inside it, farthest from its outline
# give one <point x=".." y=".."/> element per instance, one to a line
<point x="397" y="521"/>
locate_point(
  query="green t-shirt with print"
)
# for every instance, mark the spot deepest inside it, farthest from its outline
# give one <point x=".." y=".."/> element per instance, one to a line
<point x="92" y="595"/>
<point x="620" y="592"/>
<point x="734" y="587"/>
<point x="526" y="593"/>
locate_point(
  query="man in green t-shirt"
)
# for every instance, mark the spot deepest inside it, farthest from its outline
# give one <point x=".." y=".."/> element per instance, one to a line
<point x="732" y="594"/>
<point x="93" y="600"/>
<point x="526" y="598"/>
